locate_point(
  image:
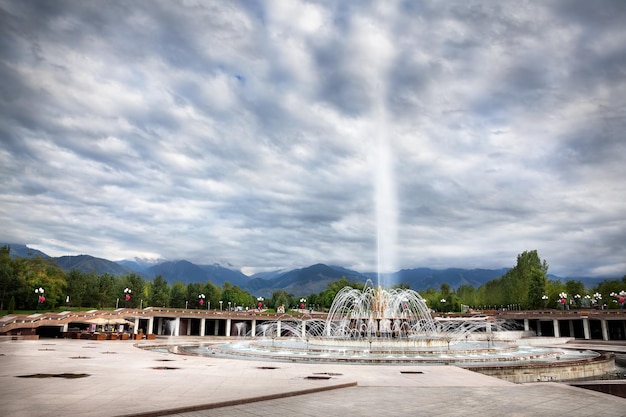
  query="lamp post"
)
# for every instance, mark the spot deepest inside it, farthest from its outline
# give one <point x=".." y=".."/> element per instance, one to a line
<point x="303" y="303"/>
<point x="221" y="305"/>
<point x="443" y="304"/>
<point x="563" y="299"/>
<point x="201" y="298"/>
<point x="597" y="298"/>
<point x="259" y="302"/>
<point x="40" y="297"/>
<point x="127" y="292"/>
<point x="229" y="306"/>
<point x="622" y="299"/>
<point x="577" y="300"/>
<point x="545" y="300"/>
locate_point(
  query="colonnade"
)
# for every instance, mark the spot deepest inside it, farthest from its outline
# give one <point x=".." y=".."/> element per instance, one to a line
<point x="580" y="328"/>
<point x="194" y="326"/>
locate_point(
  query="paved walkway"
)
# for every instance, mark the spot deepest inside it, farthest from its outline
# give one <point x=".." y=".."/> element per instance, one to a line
<point x="123" y="380"/>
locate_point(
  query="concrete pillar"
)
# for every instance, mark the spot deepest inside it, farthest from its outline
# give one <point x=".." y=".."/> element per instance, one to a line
<point x="586" y="329"/>
<point x="202" y="324"/>
<point x="555" y="323"/>
<point x="571" y="328"/>
<point x="526" y="325"/>
<point x="160" y="326"/>
<point x="228" y="324"/>
<point x="136" y="326"/>
<point x="150" y="324"/>
<point x="605" y="329"/>
<point x="216" y="330"/>
<point x="177" y="326"/>
<point x="253" y="327"/>
<point x="303" y="328"/>
<point x="278" y="331"/>
<point x="188" y="327"/>
<point x="65" y="328"/>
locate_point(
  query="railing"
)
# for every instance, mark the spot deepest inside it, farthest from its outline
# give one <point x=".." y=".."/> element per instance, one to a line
<point x="10" y="322"/>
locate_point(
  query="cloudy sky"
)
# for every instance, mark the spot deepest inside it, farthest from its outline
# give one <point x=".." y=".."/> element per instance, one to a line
<point x="278" y="134"/>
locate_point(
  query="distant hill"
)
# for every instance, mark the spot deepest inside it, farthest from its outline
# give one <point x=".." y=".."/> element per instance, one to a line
<point x="423" y="278"/>
<point x="300" y="282"/>
<point x="219" y="275"/>
<point x="268" y="274"/>
<point x="140" y="264"/>
<point x="304" y="281"/>
<point x="87" y="263"/>
<point x="187" y="272"/>
<point x="23" y="251"/>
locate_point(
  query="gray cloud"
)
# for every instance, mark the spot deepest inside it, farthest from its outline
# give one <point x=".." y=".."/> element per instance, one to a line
<point x="248" y="132"/>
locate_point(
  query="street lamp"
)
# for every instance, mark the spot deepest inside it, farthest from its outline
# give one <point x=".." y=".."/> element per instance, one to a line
<point x="259" y="302"/>
<point x="443" y="302"/>
<point x="201" y="298"/>
<point x="127" y="292"/>
<point x="40" y="297"/>
<point x="545" y="300"/>
<point x="221" y="305"/>
<point x="302" y="303"/>
<point x="597" y="298"/>
<point x="229" y="306"/>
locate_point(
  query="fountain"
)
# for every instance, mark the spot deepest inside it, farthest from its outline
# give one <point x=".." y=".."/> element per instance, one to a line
<point x="381" y="325"/>
<point x="377" y="325"/>
<point x="395" y="327"/>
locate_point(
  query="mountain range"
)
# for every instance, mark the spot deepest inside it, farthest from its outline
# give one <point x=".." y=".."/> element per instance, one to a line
<point x="300" y="282"/>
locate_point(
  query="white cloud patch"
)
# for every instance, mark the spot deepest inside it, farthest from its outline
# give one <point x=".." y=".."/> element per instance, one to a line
<point x="248" y="132"/>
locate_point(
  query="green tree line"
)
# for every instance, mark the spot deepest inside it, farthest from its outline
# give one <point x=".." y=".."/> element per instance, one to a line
<point x="525" y="286"/>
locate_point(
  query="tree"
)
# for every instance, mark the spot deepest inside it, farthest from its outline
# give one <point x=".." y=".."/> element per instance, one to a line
<point x="328" y="295"/>
<point x="194" y="289"/>
<point x="76" y="289"/>
<point x="536" y="289"/>
<point x="136" y="284"/>
<point x="178" y="295"/>
<point x="213" y="294"/>
<point x="467" y="295"/>
<point x="159" y="292"/>
<point x="9" y="282"/>
<point x="236" y="296"/>
<point x="38" y="272"/>
<point x="11" y="307"/>
<point x="280" y="298"/>
<point x="103" y="292"/>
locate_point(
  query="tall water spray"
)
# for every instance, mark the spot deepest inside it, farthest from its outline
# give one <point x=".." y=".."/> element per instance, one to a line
<point x="385" y="198"/>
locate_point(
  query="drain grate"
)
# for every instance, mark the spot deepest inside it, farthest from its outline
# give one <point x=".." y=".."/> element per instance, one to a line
<point x="164" y="368"/>
<point x="411" y="372"/>
<point x="64" y="375"/>
<point x="317" y="377"/>
<point x="266" y="367"/>
<point x="81" y="357"/>
<point x="327" y="373"/>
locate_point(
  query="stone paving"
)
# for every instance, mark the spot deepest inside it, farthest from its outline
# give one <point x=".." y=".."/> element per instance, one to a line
<point x="123" y="380"/>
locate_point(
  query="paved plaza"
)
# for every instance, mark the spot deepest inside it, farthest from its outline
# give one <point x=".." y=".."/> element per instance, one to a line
<point x="115" y="378"/>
